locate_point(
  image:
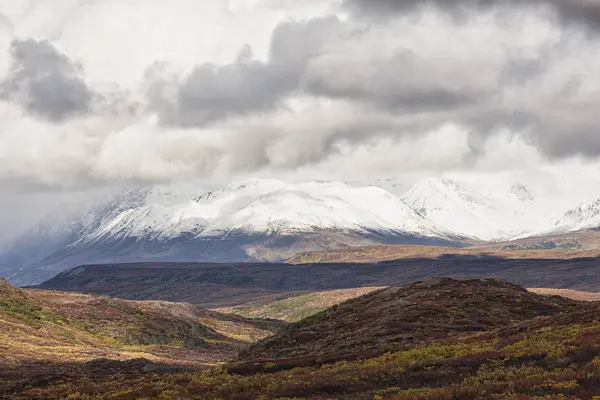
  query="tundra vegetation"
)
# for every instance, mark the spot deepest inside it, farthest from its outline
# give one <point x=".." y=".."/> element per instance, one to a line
<point x="436" y="339"/>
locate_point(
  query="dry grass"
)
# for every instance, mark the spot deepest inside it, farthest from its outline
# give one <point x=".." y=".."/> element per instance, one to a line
<point x="397" y="252"/>
<point x="570" y="294"/>
<point x="297" y="307"/>
<point x="45" y="326"/>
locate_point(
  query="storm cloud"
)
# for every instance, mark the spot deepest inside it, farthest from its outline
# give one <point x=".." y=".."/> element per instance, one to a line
<point x="46" y="82"/>
<point x="585" y="12"/>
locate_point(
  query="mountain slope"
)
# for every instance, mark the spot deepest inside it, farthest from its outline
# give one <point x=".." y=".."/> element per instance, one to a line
<point x="259" y="207"/>
<point x="271" y="220"/>
<point x="585" y="216"/>
<point x="464" y="211"/>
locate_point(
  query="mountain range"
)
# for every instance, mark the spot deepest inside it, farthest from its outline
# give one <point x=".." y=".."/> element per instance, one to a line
<point x="272" y="220"/>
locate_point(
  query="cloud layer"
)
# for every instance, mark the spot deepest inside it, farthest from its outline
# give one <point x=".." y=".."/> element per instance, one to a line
<point x="97" y="93"/>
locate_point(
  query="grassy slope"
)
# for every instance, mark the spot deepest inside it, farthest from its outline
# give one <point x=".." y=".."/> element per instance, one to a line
<point x="538" y="348"/>
<point x="297" y="307"/>
<point x="44" y="326"/>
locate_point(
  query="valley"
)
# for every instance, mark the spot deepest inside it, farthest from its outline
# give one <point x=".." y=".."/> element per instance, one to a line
<point x="228" y="285"/>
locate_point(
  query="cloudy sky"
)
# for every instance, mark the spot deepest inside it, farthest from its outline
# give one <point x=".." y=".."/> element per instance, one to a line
<point x="98" y="93"/>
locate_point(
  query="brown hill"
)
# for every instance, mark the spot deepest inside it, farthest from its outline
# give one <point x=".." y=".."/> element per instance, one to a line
<point x="38" y="326"/>
<point x="401" y="317"/>
<point x="294" y="307"/>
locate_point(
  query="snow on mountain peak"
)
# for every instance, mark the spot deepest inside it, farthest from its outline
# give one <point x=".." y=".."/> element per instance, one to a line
<point x="459" y="209"/>
<point x="585" y="216"/>
<point x="435" y="193"/>
<point x="257" y="206"/>
<point x="251" y="187"/>
<point x="520" y="192"/>
<point x="307" y="206"/>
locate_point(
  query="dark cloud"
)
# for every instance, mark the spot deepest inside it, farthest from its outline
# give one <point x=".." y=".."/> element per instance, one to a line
<point x="586" y="12"/>
<point x="210" y="92"/>
<point x="583" y="12"/>
<point x="403" y="82"/>
<point x="520" y="70"/>
<point x="213" y="92"/>
<point x="45" y="81"/>
<point x="392" y="8"/>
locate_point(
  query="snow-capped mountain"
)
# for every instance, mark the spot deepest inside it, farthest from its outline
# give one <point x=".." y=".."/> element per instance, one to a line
<point x="273" y="206"/>
<point x="585" y="216"/>
<point x="466" y="212"/>
<point x="256" y="219"/>
<point x="150" y="213"/>
<point x="257" y="207"/>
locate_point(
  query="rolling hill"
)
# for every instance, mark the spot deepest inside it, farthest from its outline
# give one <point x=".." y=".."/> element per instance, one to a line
<point x="44" y="328"/>
<point x="296" y="306"/>
<point x="434" y="339"/>
<point x="403" y="317"/>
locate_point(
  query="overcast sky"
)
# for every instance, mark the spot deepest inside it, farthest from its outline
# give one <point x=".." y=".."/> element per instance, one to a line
<point x="97" y="93"/>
